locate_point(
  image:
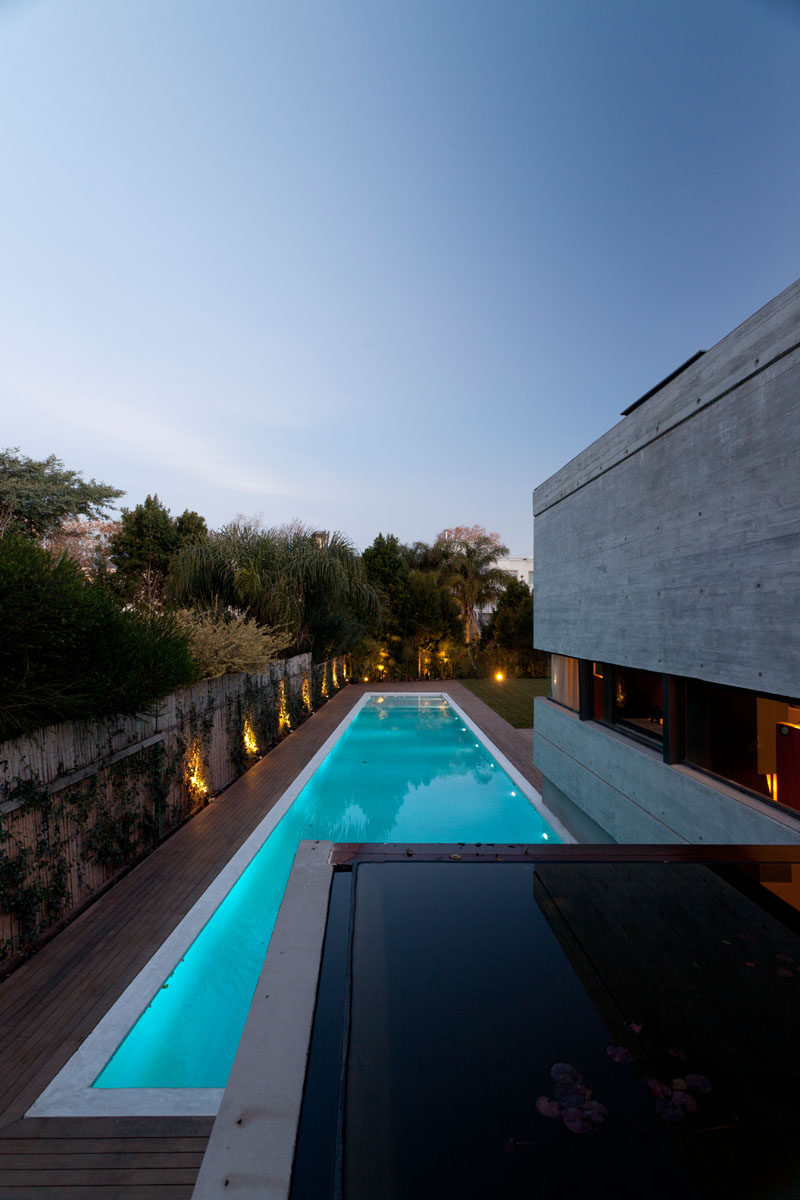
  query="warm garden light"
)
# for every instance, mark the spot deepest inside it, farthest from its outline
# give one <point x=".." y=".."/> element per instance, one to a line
<point x="284" y="723"/>
<point x="306" y="693"/>
<point x="499" y="676"/>
<point x="194" y="774"/>
<point x="249" y="738"/>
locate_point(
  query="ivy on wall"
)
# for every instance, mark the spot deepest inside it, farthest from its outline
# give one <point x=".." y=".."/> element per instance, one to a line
<point x="59" y="848"/>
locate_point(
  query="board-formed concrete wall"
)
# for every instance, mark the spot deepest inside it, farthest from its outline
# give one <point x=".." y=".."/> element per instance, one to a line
<point x="672" y="543"/>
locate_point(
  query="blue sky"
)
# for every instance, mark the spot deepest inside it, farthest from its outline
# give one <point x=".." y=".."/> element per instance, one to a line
<point x="377" y="266"/>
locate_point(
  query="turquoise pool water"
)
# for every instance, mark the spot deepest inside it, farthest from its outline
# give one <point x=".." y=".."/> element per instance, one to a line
<point x="405" y="770"/>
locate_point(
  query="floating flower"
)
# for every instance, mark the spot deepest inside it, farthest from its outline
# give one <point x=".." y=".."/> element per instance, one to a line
<point x="698" y="1083"/>
<point x="576" y="1121"/>
<point x="548" y="1107"/>
<point x="619" y="1054"/>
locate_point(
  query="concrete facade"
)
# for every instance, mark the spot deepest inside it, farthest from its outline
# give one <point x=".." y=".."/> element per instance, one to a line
<point x="672" y="544"/>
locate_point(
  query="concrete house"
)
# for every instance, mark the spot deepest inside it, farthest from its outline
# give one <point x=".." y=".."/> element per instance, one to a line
<point x="668" y="596"/>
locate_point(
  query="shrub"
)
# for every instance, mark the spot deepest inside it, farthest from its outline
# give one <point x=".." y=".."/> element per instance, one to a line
<point x="68" y="651"/>
<point x="225" y="645"/>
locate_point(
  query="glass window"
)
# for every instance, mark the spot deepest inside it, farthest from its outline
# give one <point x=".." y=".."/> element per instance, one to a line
<point x="637" y="703"/>
<point x="752" y="740"/>
<point x="563" y="680"/>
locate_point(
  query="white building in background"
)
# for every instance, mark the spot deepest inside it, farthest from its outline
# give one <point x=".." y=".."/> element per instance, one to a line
<point x="520" y="568"/>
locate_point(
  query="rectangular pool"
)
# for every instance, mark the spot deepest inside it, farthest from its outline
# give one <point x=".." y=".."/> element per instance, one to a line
<point x="400" y="768"/>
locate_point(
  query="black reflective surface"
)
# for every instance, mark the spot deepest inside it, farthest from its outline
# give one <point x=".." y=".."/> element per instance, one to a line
<point x="669" y="992"/>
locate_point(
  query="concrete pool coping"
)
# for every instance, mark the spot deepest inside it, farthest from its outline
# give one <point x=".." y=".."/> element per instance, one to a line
<point x="71" y="1094"/>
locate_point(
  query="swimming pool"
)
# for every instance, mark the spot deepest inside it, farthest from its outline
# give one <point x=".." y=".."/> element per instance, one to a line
<point x="401" y="768"/>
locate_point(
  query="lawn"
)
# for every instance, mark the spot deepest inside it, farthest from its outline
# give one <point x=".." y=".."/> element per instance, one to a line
<point x="512" y="699"/>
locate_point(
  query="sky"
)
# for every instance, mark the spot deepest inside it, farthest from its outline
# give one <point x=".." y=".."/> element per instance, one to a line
<point x="379" y="267"/>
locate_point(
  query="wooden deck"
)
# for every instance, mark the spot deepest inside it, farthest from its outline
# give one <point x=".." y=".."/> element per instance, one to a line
<point x="52" y="1002"/>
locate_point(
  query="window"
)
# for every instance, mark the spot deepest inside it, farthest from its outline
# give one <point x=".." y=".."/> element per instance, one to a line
<point x="630" y="700"/>
<point x="752" y="740"/>
<point x="563" y="681"/>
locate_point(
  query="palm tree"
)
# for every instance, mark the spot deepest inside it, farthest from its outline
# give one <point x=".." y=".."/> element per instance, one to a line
<point x="309" y="581"/>
<point x="472" y="577"/>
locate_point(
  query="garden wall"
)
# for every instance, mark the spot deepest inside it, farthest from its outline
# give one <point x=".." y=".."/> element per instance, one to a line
<point x="80" y="802"/>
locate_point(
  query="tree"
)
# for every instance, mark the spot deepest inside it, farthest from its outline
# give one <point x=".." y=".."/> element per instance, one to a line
<point x="145" y="542"/>
<point x="470" y="573"/>
<point x="418" y="613"/>
<point x="387" y="569"/>
<point x="309" y="581"/>
<point x="68" y="650"/>
<point x="37" y="496"/>
<point x="507" y="640"/>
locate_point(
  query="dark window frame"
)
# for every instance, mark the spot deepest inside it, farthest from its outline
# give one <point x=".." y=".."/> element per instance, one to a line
<point x="674" y="707"/>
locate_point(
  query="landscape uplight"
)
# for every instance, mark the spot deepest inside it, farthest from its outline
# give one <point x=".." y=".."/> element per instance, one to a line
<point x="194" y="774"/>
<point x="499" y="676"/>
<point x="249" y="738"/>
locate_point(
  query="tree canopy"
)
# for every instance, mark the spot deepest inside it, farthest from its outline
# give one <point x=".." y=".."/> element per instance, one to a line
<point x="470" y="572"/>
<point x="69" y="651"/>
<point x="141" y="548"/>
<point x="311" y="582"/>
<point x="38" y="495"/>
<point x="507" y="640"/>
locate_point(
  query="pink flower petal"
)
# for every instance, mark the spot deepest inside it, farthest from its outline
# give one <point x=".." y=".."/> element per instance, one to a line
<point x="659" y="1089"/>
<point x="576" y="1121"/>
<point x="565" y="1073"/>
<point x="785" y="973"/>
<point x="595" y="1111"/>
<point x="684" y="1101"/>
<point x="698" y="1083"/>
<point x="619" y="1054"/>
<point x="784" y="958"/>
<point x="548" y="1107"/>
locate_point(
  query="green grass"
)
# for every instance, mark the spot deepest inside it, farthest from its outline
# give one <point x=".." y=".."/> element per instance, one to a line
<point x="512" y="699"/>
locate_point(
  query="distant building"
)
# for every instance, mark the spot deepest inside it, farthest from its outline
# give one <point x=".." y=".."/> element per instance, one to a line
<point x="520" y="568"/>
<point x="668" y="596"/>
